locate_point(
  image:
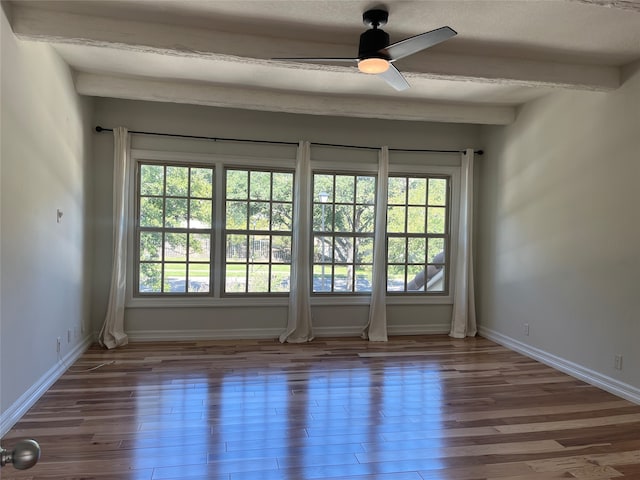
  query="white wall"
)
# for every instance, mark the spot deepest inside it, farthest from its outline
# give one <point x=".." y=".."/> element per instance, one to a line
<point x="45" y="265"/>
<point x="196" y="120"/>
<point x="559" y="231"/>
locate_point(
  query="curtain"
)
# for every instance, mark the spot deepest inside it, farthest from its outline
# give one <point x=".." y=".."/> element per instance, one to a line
<point x="376" y="329"/>
<point x="112" y="334"/>
<point x="299" y="328"/>
<point x="463" y="322"/>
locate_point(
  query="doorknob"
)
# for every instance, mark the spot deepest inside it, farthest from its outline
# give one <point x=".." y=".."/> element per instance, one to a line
<point x="24" y="455"/>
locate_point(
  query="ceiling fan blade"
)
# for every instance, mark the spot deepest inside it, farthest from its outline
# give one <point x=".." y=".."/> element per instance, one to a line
<point x="413" y="45"/>
<point x="311" y="60"/>
<point x="394" y="78"/>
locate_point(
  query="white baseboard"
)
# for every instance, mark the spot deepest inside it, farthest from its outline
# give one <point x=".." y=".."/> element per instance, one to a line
<point x="14" y="413"/>
<point x="611" y="385"/>
<point x="239" y="334"/>
<point x="202" y="334"/>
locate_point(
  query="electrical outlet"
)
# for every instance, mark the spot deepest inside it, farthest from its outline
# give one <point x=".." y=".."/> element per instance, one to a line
<point x="69" y="336"/>
<point x="58" y="344"/>
<point x="617" y="362"/>
<point x="526" y="329"/>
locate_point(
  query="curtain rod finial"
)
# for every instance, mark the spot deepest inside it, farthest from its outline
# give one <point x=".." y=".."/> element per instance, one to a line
<point x="99" y="128"/>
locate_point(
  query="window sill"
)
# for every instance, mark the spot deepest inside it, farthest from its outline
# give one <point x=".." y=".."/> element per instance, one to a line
<point x="319" y="301"/>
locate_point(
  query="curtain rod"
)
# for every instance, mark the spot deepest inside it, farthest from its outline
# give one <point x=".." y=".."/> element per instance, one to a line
<point x="100" y="129"/>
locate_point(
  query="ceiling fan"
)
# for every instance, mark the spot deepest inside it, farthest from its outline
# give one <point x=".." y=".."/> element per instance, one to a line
<point x="376" y="55"/>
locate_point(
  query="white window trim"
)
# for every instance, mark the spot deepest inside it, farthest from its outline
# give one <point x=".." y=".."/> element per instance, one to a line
<point x="219" y="162"/>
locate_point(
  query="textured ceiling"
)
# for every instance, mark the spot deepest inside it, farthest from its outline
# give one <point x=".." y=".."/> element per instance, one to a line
<point x="219" y="52"/>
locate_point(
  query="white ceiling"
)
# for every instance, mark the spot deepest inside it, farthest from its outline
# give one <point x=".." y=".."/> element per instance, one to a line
<point x="219" y="52"/>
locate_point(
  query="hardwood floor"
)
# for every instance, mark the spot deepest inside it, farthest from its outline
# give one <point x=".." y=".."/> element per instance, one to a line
<point x="415" y="408"/>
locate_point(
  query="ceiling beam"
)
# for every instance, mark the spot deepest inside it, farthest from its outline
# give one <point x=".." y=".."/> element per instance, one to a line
<point x="177" y="40"/>
<point x="632" y="5"/>
<point x="276" y="101"/>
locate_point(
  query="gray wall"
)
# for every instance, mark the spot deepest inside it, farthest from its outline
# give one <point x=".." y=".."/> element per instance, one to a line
<point x="195" y="120"/>
<point x="559" y="229"/>
<point x="45" y="265"/>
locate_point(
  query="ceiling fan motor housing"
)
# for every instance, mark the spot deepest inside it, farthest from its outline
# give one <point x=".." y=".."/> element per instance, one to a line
<point x="372" y="42"/>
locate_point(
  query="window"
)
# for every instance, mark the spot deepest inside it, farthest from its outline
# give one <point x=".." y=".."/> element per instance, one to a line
<point x="258" y="231"/>
<point x="219" y="229"/>
<point x="343" y="231"/>
<point x="174" y="229"/>
<point x="417" y="234"/>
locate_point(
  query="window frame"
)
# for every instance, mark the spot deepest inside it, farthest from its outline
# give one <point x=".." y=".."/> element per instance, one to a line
<point x="332" y="233"/>
<point x="164" y="230"/>
<point x="406" y="235"/>
<point x="249" y="232"/>
<point x="320" y="161"/>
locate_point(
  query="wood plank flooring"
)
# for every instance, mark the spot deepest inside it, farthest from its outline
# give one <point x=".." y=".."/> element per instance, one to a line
<point x="415" y="408"/>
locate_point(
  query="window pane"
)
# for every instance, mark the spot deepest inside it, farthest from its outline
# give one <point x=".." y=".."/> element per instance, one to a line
<point x="417" y="191"/>
<point x="343" y="249"/>
<point x="150" y="246"/>
<point x="397" y="191"/>
<point x="151" y="180"/>
<point x="281" y="249"/>
<point x="322" y="218"/>
<point x="175" y="277"/>
<point x="176" y="214"/>
<point x="366" y="190"/>
<point x="396" y="250"/>
<point x="345" y="189"/>
<point x="199" y="246"/>
<point x="259" y="216"/>
<point x="258" y="278"/>
<point x="395" y="278"/>
<point x="396" y="219"/>
<point x="199" y="277"/>
<point x="344" y="218"/>
<point x="235" y="278"/>
<point x="237" y="185"/>
<point x="323" y="249"/>
<point x="322" y="275"/>
<point x="236" y="216"/>
<point x="283" y="187"/>
<point x="437" y="191"/>
<point x="364" y="278"/>
<point x="282" y="216"/>
<point x="437" y="281"/>
<point x="150" y="277"/>
<point x="415" y="278"/>
<point x="436" y="220"/>
<point x="322" y="184"/>
<point x="415" y="219"/>
<point x="151" y="212"/>
<point x="200" y="213"/>
<point x="436" y="250"/>
<point x="342" y="278"/>
<point x="175" y="247"/>
<point x="364" y="250"/>
<point x="280" y="275"/>
<point x="259" y="248"/>
<point x="417" y="252"/>
<point x="260" y="185"/>
<point x="237" y="248"/>
<point x="177" y="181"/>
<point x="365" y="218"/>
<point x="202" y="182"/>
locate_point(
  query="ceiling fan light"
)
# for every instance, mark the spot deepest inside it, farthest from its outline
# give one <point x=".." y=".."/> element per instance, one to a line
<point x="373" y="65"/>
